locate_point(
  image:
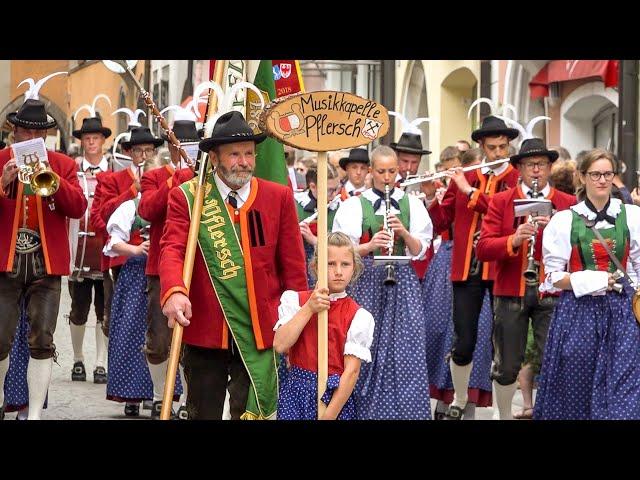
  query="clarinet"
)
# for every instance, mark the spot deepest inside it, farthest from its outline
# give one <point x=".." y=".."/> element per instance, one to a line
<point x="531" y="273"/>
<point x="389" y="267"/>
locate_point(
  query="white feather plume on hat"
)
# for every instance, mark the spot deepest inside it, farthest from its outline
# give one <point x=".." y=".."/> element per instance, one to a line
<point x="33" y="92"/>
<point x="91" y="108"/>
<point x="133" y="116"/>
<point x="410" y="126"/>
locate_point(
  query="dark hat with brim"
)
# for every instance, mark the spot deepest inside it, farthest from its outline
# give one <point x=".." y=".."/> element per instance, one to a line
<point x="356" y="155"/>
<point x="409" y="143"/>
<point x="230" y="128"/>
<point x="534" y="147"/>
<point x="184" y="130"/>
<point x="492" y="127"/>
<point x="92" y="125"/>
<point x="33" y="115"/>
<point x="140" y="136"/>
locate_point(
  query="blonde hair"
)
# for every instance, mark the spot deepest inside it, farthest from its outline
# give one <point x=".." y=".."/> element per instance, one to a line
<point x="382" y="151"/>
<point x="339" y="239"/>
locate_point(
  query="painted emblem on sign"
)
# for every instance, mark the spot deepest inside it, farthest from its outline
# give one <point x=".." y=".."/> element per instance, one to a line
<point x="285" y="70"/>
<point x="290" y="123"/>
<point x="371" y="128"/>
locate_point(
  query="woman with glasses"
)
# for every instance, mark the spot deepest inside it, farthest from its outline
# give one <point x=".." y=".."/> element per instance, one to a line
<point x="591" y="362"/>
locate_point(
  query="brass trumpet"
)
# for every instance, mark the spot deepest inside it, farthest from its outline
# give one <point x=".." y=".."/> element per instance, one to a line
<point x="44" y="181"/>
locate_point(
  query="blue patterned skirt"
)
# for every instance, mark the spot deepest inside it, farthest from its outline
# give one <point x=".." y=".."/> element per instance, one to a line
<point x="395" y="385"/>
<point x="437" y="292"/>
<point x="16" y="390"/>
<point x="591" y="361"/>
<point x="308" y="254"/>
<point x="298" y="396"/>
<point x="129" y="378"/>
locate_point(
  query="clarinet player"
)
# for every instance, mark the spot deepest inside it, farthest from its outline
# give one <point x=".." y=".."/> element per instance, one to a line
<point x="515" y="245"/>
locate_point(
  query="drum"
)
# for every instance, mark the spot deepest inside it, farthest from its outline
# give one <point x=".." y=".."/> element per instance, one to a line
<point x="85" y="243"/>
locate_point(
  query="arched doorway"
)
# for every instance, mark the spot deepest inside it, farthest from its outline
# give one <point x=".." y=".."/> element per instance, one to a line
<point x="589" y="118"/>
<point x="414" y="103"/>
<point x="458" y="91"/>
<point x="52" y="109"/>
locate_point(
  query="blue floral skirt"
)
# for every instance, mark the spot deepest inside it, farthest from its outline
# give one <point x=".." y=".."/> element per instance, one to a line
<point x="395" y="385"/>
<point x="298" y="396"/>
<point x="591" y="361"/>
<point x="437" y="292"/>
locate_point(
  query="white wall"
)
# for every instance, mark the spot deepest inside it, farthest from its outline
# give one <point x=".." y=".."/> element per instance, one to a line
<point x="577" y="112"/>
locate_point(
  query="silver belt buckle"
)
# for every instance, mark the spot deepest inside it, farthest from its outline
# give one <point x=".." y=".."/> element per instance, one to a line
<point x="28" y="241"/>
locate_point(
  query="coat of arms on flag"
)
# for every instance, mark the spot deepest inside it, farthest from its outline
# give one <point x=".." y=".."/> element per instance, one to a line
<point x="285" y="70"/>
<point x="277" y="75"/>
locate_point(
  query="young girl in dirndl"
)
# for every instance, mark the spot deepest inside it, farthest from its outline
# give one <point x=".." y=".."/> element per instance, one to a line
<point x="350" y="336"/>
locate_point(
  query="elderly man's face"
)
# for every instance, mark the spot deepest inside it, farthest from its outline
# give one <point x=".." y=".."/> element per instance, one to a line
<point x="235" y="163"/>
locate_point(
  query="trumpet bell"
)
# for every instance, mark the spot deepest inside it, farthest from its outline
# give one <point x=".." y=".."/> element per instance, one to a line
<point x="45" y="182"/>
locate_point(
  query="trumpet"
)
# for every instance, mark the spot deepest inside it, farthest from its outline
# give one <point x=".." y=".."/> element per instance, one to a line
<point x="44" y="181"/>
<point x="389" y="267"/>
<point x="531" y="273"/>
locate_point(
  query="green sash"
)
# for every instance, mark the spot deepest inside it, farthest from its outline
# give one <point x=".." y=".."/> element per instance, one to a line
<point x="222" y="251"/>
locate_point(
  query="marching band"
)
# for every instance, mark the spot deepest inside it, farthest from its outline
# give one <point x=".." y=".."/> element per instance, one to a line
<point x="440" y="284"/>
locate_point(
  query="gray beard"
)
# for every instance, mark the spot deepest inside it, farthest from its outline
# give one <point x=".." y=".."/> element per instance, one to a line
<point x="234" y="180"/>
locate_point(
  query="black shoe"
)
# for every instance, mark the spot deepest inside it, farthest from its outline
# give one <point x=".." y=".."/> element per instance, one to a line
<point x="182" y="413"/>
<point x="156" y="410"/>
<point x="454" y="413"/>
<point x="99" y="375"/>
<point x="78" y="374"/>
<point x="132" y="410"/>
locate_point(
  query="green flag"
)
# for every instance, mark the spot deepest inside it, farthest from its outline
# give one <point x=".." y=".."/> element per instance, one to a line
<point x="270" y="164"/>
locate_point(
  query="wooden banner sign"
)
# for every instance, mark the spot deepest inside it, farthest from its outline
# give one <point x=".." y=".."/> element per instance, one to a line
<point x="323" y="121"/>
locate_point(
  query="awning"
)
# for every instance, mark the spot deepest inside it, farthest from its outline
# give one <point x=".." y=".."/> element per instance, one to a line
<point x="566" y="70"/>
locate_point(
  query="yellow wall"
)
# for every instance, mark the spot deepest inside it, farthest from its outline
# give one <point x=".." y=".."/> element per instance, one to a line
<point x="55" y="89"/>
<point x="447" y="104"/>
<point x="85" y="83"/>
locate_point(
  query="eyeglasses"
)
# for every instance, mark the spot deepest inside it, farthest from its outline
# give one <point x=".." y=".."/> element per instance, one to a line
<point x="533" y="165"/>
<point x="332" y="190"/>
<point x="595" y="176"/>
<point x="146" y="151"/>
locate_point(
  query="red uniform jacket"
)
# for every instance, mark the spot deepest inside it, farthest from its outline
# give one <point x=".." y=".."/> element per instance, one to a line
<point x="466" y="215"/>
<point x="277" y="263"/>
<point x="69" y="201"/>
<point x="498" y="227"/>
<point x="155" y="186"/>
<point x="113" y="189"/>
